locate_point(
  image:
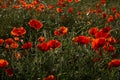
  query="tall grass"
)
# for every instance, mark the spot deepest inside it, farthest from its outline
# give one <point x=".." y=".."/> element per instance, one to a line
<point x="70" y="61"/>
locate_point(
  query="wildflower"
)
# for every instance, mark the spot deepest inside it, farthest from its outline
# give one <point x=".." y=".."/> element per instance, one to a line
<point x="59" y="10"/>
<point x="111" y="40"/>
<point x="114" y="63"/>
<point x="93" y="30"/>
<point x="43" y="46"/>
<point x="109" y="48"/>
<point x="35" y="24"/>
<point x="117" y="15"/>
<point x="106" y="29"/>
<point x="3" y="63"/>
<point x="70" y="10"/>
<point x="98" y="43"/>
<point x="18" y="31"/>
<point x="82" y="40"/>
<point x="16" y="38"/>
<point x="50" y="77"/>
<point x="114" y="10"/>
<point x="110" y="19"/>
<point x="16" y="6"/>
<point x="104" y="15"/>
<point x="79" y="13"/>
<point x="69" y="1"/>
<point x="41" y="39"/>
<point x="27" y="45"/>
<point x="61" y="31"/>
<point x="54" y="44"/>
<point x="1" y="41"/>
<point x="51" y="6"/>
<point x="9" y="72"/>
<point x="76" y="1"/>
<point x="17" y="55"/>
<point x="101" y="34"/>
<point x="14" y="45"/>
<point x="9" y="41"/>
<point x="103" y="1"/>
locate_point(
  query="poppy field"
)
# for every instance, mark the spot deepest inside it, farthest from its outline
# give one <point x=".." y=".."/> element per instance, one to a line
<point x="59" y="40"/>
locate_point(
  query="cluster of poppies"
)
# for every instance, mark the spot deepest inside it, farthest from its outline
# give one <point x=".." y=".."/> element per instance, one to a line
<point x="3" y="65"/>
<point x="99" y="39"/>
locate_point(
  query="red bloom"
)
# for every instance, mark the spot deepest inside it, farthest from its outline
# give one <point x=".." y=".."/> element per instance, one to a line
<point x="114" y="10"/>
<point x="110" y="19"/>
<point x="109" y="48"/>
<point x="82" y="40"/>
<point x="18" y="31"/>
<point x="9" y="41"/>
<point x="1" y="41"/>
<point x="101" y="34"/>
<point x="61" y="31"/>
<point x="106" y="29"/>
<point x="114" y="63"/>
<point x="111" y="40"/>
<point x="27" y="45"/>
<point x="70" y="10"/>
<point x="43" y="46"/>
<point x="70" y="1"/>
<point x="54" y="44"/>
<point x="104" y="15"/>
<point x="103" y="1"/>
<point x="3" y="63"/>
<point x="9" y="72"/>
<point x="97" y="43"/>
<point x="50" y="77"/>
<point x="59" y="10"/>
<point x="93" y="30"/>
<point x="41" y="39"/>
<point x="35" y="24"/>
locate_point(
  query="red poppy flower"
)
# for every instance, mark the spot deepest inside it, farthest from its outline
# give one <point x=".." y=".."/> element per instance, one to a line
<point x="59" y="10"/>
<point x="109" y="48"/>
<point x="18" y="31"/>
<point x="114" y="10"/>
<point x="9" y="72"/>
<point x="43" y="46"/>
<point x="82" y="40"/>
<point x="110" y="19"/>
<point x="104" y="15"/>
<point x="61" y="31"/>
<point x="1" y="41"/>
<point x="35" y="24"/>
<point x="69" y="1"/>
<point x="70" y="10"/>
<point x="114" y="63"/>
<point x="51" y="6"/>
<point x="50" y="77"/>
<point x="76" y="0"/>
<point x="27" y="45"/>
<point x="93" y="30"/>
<point x="9" y="41"/>
<point x="54" y="44"/>
<point x="111" y="40"/>
<point x="3" y="63"/>
<point x="41" y="39"/>
<point x="106" y="29"/>
<point x="97" y="43"/>
<point x="101" y="34"/>
<point x="14" y="45"/>
<point x="103" y="1"/>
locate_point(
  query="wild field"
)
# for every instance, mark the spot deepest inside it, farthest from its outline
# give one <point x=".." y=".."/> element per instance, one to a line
<point x="59" y="40"/>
